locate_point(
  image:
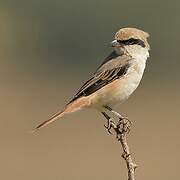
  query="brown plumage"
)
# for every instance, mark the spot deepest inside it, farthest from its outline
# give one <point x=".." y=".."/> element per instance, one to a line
<point x="116" y="71"/>
<point x="113" y="69"/>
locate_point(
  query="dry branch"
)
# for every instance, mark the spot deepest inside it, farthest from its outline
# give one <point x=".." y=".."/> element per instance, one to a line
<point x="121" y="129"/>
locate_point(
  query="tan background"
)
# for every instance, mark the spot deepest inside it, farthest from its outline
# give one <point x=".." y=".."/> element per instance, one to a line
<point x="48" y="48"/>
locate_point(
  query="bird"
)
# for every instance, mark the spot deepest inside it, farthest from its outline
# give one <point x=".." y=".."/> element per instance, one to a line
<point x="114" y="80"/>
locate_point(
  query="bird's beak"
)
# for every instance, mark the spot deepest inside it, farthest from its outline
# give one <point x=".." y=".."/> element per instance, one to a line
<point x="114" y="43"/>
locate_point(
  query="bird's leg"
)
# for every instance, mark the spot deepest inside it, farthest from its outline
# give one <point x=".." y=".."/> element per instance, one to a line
<point x="123" y="124"/>
<point x="115" y="113"/>
<point x="109" y="122"/>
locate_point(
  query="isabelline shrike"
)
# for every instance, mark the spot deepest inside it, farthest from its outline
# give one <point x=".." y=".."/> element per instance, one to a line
<point x="115" y="79"/>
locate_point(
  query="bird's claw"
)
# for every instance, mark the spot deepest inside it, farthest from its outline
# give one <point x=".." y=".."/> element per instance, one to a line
<point x="124" y="125"/>
<point x="109" y="126"/>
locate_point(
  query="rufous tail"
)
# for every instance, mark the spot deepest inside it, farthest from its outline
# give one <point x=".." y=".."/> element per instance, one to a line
<point x="70" y="108"/>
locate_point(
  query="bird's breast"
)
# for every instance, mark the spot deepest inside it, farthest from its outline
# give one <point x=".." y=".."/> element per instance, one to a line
<point x="119" y="90"/>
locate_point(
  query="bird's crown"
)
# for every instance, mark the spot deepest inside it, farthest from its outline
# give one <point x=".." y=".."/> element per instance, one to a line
<point x="128" y="34"/>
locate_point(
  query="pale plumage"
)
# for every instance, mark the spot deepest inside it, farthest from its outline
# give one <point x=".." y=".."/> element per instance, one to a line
<point x="117" y="77"/>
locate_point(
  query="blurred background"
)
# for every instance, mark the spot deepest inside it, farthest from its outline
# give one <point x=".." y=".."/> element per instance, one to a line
<point x="47" y="49"/>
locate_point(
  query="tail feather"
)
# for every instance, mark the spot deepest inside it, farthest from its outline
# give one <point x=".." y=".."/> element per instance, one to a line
<point x="70" y="108"/>
<point x="50" y="120"/>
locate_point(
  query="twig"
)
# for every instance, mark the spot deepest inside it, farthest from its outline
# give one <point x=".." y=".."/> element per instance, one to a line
<point x="122" y="128"/>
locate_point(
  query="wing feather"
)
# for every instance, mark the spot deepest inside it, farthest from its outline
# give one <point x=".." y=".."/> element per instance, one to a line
<point x="108" y="72"/>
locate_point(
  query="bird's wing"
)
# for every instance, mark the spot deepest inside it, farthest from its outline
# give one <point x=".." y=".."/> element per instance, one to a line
<point x="113" y="67"/>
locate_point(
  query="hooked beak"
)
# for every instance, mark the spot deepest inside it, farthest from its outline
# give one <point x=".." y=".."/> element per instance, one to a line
<point x="114" y="43"/>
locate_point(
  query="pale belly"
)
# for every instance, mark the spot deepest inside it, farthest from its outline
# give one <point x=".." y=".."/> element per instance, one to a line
<point x="117" y="91"/>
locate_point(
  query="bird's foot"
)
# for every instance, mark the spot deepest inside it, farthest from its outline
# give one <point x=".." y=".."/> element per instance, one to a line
<point x="121" y="127"/>
<point x="110" y="125"/>
<point x="124" y="125"/>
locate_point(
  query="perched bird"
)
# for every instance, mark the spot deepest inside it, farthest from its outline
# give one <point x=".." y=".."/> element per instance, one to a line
<point x="115" y="79"/>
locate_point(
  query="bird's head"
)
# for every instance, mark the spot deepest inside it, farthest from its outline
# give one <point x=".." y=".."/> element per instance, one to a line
<point x="131" y="39"/>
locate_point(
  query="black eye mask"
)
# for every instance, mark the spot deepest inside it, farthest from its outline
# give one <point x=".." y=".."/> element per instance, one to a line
<point x="132" y="41"/>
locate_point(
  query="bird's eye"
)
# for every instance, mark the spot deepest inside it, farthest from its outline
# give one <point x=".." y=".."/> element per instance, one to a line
<point x="128" y="41"/>
<point x="132" y="41"/>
